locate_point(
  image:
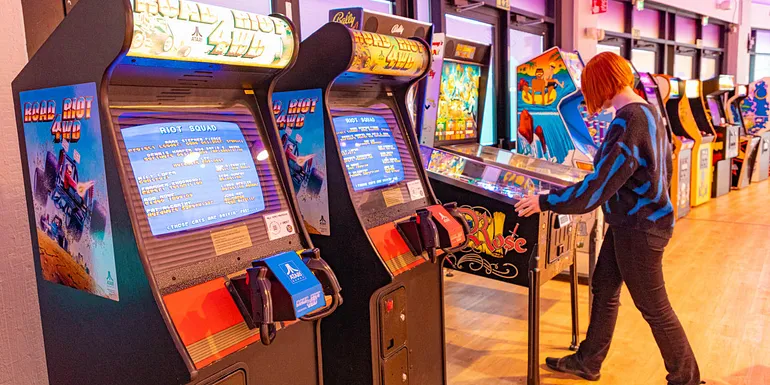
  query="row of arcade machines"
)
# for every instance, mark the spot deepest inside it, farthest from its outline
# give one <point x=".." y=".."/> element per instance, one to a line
<point x="713" y="150"/>
<point x="178" y="206"/>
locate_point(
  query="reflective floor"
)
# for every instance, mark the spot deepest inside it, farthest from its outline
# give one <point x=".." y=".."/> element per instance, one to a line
<point x="717" y="270"/>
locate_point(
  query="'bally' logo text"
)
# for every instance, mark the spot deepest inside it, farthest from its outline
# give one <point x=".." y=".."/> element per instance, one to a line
<point x="346" y="19"/>
<point x="397" y="29"/>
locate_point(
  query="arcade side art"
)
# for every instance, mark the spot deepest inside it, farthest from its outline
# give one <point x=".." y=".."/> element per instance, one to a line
<point x="299" y="116"/>
<point x="66" y="165"/>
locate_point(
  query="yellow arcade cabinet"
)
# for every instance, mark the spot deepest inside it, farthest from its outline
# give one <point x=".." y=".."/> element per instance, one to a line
<point x="683" y="124"/>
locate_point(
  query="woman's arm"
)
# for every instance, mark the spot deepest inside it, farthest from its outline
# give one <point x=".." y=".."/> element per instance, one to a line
<point x="614" y="168"/>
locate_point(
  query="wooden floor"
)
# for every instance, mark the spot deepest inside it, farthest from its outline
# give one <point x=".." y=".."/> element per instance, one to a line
<point x="717" y="270"/>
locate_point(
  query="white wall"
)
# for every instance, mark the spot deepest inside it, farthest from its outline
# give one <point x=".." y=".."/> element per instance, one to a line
<point x="760" y="16"/>
<point x="22" y="361"/>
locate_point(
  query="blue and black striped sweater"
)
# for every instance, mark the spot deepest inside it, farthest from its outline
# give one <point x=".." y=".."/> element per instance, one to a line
<point x="631" y="178"/>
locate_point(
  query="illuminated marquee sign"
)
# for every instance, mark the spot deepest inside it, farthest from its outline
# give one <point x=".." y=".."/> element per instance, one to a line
<point x="464" y="51"/>
<point x="189" y="31"/>
<point x="388" y="55"/>
<point x="692" y="88"/>
<point x="726" y="82"/>
<point x="675" y="88"/>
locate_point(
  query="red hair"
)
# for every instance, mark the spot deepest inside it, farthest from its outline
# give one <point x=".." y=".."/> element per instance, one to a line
<point x="604" y="77"/>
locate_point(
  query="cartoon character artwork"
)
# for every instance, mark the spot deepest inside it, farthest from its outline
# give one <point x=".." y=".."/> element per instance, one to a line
<point x="299" y="116"/>
<point x="755" y="107"/>
<point x="66" y="164"/>
<point x="532" y="140"/>
<point x="543" y="83"/>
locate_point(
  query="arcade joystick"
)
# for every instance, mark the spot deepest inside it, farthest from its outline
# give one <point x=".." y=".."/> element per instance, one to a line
<point x="329" y="282"/>
<point x="428" y="233"/>
<point x="252" y="295"/>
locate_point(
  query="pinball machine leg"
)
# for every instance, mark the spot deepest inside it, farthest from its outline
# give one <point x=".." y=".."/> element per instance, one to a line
<point x="533" y="355"/>
<point x="573" y="272"/>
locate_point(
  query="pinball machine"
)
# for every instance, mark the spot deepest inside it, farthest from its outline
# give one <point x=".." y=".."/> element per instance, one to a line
<point x="685" y="129"/>
<point x="486" y="182"/>
<point x="708" y="116"/>
<point x="760" y="160"/>
<point x="382" y="211"/>
<point x="167" y="241"/>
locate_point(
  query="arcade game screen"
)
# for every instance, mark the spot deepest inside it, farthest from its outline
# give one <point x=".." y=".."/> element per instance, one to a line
<point x="716" y="115"/>
<point x="382" y="172"/>
<point x="193" y="174"/>
<point x="458" y="106"/>
<point x="369" y="151"/>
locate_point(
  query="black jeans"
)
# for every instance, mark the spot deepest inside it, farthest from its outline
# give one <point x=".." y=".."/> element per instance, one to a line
<point x="635" y="257"/>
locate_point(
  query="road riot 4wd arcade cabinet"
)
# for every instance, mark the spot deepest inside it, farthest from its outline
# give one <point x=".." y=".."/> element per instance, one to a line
<point x="684" y="126"/>
<point x="382" y="211"/>
<point x="682" y="153"/>
<point x="725" y="136"/>
<point x="760" y="161"/>
<point x="166" y="235"/>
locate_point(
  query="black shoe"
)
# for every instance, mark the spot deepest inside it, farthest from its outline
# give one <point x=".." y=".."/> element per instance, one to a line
<point x="570" y="365"/>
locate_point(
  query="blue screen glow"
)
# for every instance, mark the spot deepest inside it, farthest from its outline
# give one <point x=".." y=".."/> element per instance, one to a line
<point x="369" y="151"/>
<point x="193" y="174"/>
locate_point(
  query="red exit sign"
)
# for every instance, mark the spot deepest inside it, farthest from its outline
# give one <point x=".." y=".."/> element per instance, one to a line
<point x="599" y="6"/>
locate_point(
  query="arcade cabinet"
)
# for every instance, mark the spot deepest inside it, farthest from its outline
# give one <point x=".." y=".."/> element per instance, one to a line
<point x="385" y="24"/>
<point x="685" y="128"/>
<point x="168" y="247"/>
<point x="761" y="159"/>
<point x="383" y="216"/>
<point x="682" y="151"/>
<point x="707" y="111"/>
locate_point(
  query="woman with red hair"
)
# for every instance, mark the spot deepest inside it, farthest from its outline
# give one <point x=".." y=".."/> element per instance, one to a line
<point x="631" y="183"/>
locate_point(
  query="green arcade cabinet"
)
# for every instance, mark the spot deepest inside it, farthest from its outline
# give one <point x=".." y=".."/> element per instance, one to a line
<point x="168" y="244"/>
<point x="349" y="89"/>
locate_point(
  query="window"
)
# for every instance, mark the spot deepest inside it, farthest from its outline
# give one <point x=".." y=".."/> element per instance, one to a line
<point x="648" y="23"/>
<point x="708" y="68"/>
<point x="524" y="46"/>
<point x="315" y="13"/>
<point x="760" y="55"/>
<point x="423" y="10"/>
<point x="261" y="7"/>
<point x="534" y="6"/>
<point x="614" y="19"/>
<point x="483" y="33"/>
<point x="683" y="66"/>
<point x="761" y="67"/>
<point x="686" y="30"/>
<point x="644" y="60"/>
<point x="608" y="48"/>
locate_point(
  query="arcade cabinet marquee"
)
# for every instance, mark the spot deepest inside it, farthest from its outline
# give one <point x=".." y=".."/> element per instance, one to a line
<point x="158" y="196"/>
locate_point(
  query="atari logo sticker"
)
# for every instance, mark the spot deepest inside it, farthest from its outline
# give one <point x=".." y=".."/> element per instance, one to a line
<point x="294" y="274"/>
